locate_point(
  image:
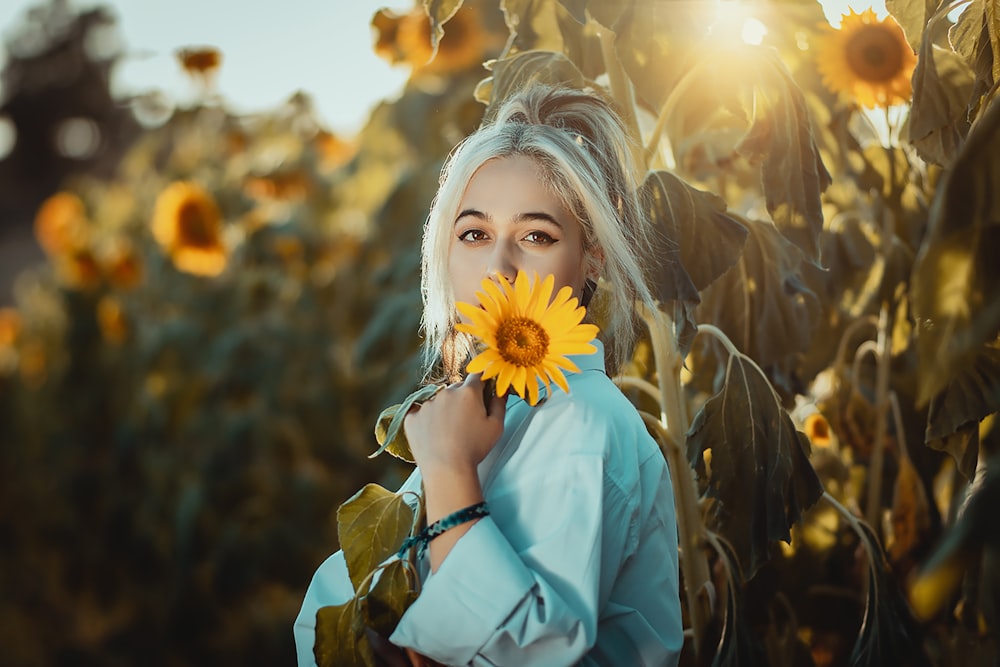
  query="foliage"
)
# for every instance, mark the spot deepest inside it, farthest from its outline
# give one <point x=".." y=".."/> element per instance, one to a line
<point x="828" y="329"/>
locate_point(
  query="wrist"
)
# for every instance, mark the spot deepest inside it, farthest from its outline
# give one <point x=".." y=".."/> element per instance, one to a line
<point x="447" y="489"/>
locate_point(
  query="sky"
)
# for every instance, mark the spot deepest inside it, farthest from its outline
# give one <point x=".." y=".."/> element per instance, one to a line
<point x="271" y="49"/>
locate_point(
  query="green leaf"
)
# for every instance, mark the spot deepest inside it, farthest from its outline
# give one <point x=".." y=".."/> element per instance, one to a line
<point x="792" y="173"/>
<point x="955" y="293"/>
<point x="440" y="12"/>
<point x="702" y="241"/>
<point x="889" y="634"/>
<point x="912" y="16"/>
<point x="520" y="71"/>
<point x="760" y="471"/>
<point x="389" y="431"/>
<point x="653" y="42"/>
<point x="762" y="303"/>
<point x="390" y="597"/>
<point x="371" y="526"/>
<point x="972" y="395"/>
<point x="942" y="86"/>
<point x="340" y="637"/>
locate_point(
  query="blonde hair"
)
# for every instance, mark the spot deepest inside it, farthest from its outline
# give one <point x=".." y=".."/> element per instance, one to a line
<point x="581" y="150"/>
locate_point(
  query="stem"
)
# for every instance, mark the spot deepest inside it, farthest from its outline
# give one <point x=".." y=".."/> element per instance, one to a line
<point x="647" y="388"/>
<point x="883" y="360"/>
<point x="672" y="427"/>
<point x="621" y="90"/>
<point x="675" y="96"/>
<point x="838" y="361"/>
<point x="721" y="336"/>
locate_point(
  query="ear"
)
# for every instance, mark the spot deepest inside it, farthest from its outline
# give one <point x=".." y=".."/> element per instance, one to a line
<point x="595" y="263"/>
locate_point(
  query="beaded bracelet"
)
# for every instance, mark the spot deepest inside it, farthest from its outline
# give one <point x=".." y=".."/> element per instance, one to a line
<point x="423" y="538"/>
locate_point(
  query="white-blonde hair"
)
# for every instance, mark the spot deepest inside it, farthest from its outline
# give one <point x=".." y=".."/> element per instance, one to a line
<point x="582" y="153"/>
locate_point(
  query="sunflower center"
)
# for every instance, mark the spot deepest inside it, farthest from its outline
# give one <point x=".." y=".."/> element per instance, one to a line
<point x="522" y="341"/>
<point x="193" y="228"/>
<point x="874" y="53"/>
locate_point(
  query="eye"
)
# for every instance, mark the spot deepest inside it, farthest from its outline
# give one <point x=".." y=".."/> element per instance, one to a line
<point x="472" y="235"/>
<point x="539" y="238"/>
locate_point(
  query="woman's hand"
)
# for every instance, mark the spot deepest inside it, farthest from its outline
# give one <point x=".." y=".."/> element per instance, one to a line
<point x="454" y="431"/>
<point x="449" y="437"/>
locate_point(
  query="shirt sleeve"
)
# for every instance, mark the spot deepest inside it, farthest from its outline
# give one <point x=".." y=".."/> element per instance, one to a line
<point x="529" y="594"/>
<point x="331" y="585"/>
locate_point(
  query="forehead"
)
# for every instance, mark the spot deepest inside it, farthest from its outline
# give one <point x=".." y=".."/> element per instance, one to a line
<point x="510" y="180"/>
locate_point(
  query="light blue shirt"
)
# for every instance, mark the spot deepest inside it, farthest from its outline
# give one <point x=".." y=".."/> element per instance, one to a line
<point x="576" y="563"/>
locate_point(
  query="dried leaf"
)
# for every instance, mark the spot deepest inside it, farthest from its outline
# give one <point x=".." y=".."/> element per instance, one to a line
<point x="761" y="476"/>
<point x="700" y="239"/>
<point x="389" y="432"/>
<point x="371" y="526"/>
<point x="954" y="295"/>
<point x="340" y="637"/>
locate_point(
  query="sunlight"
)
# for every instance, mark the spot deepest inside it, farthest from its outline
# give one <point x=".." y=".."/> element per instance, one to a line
<point x="753" y="31"/>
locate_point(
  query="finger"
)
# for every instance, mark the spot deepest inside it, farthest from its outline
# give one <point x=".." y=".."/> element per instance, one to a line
<point x="497" y="406"/>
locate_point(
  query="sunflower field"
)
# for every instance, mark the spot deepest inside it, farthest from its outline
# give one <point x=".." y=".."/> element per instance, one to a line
<point x="190" y="379"/>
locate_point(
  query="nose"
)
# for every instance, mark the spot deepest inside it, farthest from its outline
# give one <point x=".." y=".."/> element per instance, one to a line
<point x="502" y="261"/>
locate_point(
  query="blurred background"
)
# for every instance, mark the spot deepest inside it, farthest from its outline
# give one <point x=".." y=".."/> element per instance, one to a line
<point x="210" y="216"/>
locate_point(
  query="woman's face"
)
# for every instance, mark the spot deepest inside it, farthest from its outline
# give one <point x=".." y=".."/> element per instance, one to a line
<point x="508" y="222"/>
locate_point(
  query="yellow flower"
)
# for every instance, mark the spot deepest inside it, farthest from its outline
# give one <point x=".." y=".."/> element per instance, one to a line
<point x="868" y="60"/>
<point x="818" y="430"/>
<point x="111" y="320"/>
<point x="526" y="336"/>
<point x="200" y="62"/>
<point x="188" y="225"/>
<point x="406" y="39"/>
<point x="10" y="326"/>
<point x="61" y="224"/>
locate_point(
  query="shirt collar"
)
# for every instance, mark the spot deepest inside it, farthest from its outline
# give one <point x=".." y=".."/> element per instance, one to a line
<point x="585" y="362"/>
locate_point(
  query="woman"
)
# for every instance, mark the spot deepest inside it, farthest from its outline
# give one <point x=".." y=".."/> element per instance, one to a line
<point x="576" y="561"/>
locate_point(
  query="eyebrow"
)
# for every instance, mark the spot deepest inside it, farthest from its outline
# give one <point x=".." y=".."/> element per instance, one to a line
<point x="518" y="219"/>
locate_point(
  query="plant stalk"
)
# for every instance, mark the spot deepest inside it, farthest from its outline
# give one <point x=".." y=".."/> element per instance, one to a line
<point x="883" y="360"/>
<point x="673" y="424"/>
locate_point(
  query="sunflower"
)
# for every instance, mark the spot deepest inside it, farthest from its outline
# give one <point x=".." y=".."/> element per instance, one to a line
<point x="867" y="59"/>
<point x="61" y="224"/>
<point x="111" y="320"/>
<point x="10" y="326"/>
<point x="200" y="62"/>
<point x="407" y="38"/>
<point x="526" y="336"/>
<point x="188" y="225"/>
